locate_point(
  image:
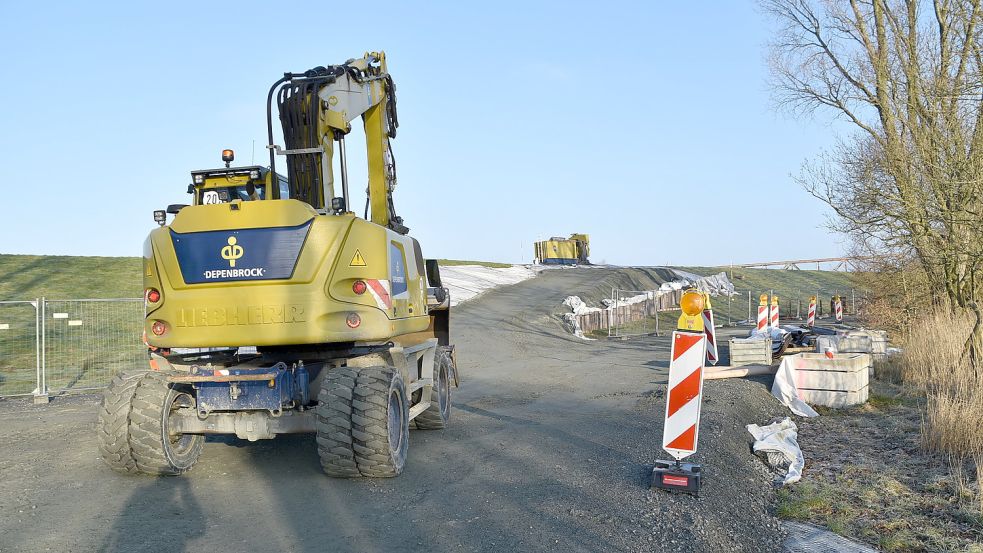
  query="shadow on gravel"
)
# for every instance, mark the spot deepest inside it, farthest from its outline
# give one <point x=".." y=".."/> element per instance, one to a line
<point x="161" y="515"/>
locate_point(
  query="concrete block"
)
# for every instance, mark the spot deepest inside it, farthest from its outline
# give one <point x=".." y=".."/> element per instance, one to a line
<point x="864" y="341"/>
<point x="831" y="380"/>
<point x="855" y="344"/>
<point x="838" y="382"/>
<point x="835" y="399"/>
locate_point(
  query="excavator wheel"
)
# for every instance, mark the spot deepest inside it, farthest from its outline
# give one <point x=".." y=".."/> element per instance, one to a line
<point x="114" y="422"/>
<point x="435" y="417"/>
<point x="334" y="424"/>
<point x="156" y="450"/>
<point x="380" y="422"/>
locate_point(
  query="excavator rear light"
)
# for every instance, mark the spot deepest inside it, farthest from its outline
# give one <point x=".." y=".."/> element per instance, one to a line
<point x="359" y="287"/>
<point x="153" y="295"/>
<point x="199" y="179"/>
<point x="353" y="320"/>
<point x="254" y="174"/>
<point x="158" y="328"/>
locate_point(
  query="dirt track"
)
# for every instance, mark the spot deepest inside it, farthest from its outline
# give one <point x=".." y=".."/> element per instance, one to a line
<point x="550" y="446"/>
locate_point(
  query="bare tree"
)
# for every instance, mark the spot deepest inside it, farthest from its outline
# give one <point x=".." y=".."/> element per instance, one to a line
<point x="906" y="74"/>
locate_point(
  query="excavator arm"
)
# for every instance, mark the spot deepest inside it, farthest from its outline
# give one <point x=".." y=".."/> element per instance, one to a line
<point x="316" y="109"/>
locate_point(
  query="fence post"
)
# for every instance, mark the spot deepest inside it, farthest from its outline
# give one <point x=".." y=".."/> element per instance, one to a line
<point x="749" y="305"/>
<point x="41" y="392"/>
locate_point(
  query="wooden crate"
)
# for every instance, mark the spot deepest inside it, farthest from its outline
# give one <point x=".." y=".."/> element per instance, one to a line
<point x="749" y="352"/>
<point x="838" y="382"/>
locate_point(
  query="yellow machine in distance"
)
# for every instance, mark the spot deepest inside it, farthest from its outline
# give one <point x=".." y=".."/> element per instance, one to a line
<point x="316" y="319"/>
<point x="563" y="251"/>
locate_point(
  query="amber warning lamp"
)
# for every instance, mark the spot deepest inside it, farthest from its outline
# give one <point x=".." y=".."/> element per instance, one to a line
<point x="228" y="156"/>
<point x="691" y="304"/>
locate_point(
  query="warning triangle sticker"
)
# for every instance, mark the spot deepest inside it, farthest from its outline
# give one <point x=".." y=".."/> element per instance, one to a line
<point x="357" y="260"/>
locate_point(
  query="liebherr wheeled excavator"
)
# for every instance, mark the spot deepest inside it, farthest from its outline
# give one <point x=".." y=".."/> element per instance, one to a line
<point x="272" y="308"/>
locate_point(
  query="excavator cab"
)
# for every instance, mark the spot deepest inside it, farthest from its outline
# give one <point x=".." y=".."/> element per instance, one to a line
<point x="250" y="183"/>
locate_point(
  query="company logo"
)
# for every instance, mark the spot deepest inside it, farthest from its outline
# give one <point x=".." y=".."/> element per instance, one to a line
<point x="232" y="252"/>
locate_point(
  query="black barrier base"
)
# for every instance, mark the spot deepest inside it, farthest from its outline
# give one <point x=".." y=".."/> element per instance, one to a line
<point x="674" y="476"/>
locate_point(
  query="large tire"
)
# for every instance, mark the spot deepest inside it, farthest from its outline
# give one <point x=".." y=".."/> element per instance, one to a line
<point x="114" y="422"/>
<point x="334" y="424"/>
<point x="380" y="422"/>
<point x="436" y="416"/>
<point x="155" y="450"/>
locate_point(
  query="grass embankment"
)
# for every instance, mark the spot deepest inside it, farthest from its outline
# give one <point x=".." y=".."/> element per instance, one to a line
<point x="793" y="289"/>
<point x="25" y="277"/>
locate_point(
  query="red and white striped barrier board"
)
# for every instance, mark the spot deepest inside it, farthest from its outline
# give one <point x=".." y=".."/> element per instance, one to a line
<point x="811" y="321"/>
<point x="711" y="333"/>
<point x="762" y="317"/>
<point x="682" y="427"/>
<point x="839" y="310"/>
<point x="774" y="312"/>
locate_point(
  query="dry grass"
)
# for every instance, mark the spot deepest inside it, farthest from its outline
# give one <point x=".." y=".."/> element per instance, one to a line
<point x="868" y="477"/>
<point x="933" y="364"/>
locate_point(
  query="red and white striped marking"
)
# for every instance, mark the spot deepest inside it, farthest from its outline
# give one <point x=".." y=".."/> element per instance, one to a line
<point x="774" y="314"/>
<point x="682" y="427"/>
<point x="838" y="305"/>
<point x="811" y="321"/>
<point x="762" y="317"/>
<point x="711" y="334"/>
<point x="379" y="289"/>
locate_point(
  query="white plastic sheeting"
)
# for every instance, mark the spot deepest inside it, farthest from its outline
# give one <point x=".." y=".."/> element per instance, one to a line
<point x="784" y="389"/>
<point x="715" y="285"/>
<point x="578" y="307"/>
<point x="572" y="320"/>
<point x="769" y="333"/>
<point x="467" y="281"/>
<point x="778" y="442"/>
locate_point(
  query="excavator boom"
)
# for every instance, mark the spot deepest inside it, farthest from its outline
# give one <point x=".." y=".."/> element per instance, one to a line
<point x="316" y="109"/>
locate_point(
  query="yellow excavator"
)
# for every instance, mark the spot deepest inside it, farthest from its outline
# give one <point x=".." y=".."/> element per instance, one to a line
<point x="272" y="308"/>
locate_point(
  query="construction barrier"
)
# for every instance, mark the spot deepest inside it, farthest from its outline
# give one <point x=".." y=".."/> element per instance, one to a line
<point x="774" y="311"/>
<point x="763" y="312"/>
<point x="811" y="321"/>
<point x="711" y="334"/>
<point x="682" y="423"/>
<point x="838" y="307"/>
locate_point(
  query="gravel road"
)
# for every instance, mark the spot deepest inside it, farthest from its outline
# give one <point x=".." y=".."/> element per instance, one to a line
<point x="549" y="449"/>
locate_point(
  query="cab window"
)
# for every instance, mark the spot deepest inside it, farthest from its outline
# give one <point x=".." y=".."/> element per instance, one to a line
<point x="228" y="193"/>
<point x="397" y="269"/>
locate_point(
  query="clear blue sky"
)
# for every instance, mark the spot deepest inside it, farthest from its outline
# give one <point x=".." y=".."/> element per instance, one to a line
<point x="648" y="126"/>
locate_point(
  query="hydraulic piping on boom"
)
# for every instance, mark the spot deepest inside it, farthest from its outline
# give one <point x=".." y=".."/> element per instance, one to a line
<point x="316" y="110"/>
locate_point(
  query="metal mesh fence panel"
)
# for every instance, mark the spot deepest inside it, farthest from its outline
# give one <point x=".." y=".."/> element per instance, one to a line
<point x="86" y="342"/>
<point x="19" y="337"/>
<point x="636" y="312"/>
